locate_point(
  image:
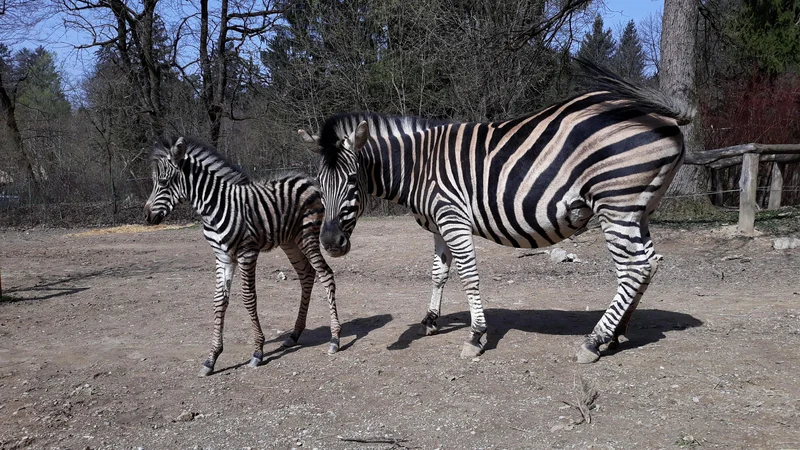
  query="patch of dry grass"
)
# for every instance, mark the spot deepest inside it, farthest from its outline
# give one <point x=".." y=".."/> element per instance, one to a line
<point x="135" y="228"/>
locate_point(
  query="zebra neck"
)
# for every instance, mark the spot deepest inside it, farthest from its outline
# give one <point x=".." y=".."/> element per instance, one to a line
<point x="211" y="196"/>
<point x="388" y="168"/>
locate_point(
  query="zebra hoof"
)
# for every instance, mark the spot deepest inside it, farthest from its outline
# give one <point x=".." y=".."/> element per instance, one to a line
<point x="255" y="362"/>
<point x="471" y="349"/>
<point x="205" y="371"/>
<point x="431" y="329"/>
<point x="611" y="347"/>
<point x="587" y="355"/>
<point x="333" y="348"/>
<point x="289" y="342"/>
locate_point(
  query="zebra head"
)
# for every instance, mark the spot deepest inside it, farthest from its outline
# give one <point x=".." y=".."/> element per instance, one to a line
<point x="169" y="186"/>
<point x="341" y="184"/>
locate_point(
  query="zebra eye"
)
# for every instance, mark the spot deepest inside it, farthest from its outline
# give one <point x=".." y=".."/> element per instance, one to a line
<point x="352" y="179"/>
<point x="163" y="182"/>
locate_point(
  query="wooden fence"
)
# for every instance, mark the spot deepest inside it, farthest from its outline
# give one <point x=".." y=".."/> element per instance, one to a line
<point x="749" y="155"/>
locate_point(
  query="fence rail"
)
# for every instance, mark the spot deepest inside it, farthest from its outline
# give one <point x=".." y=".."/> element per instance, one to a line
<point x="749" y="155"/>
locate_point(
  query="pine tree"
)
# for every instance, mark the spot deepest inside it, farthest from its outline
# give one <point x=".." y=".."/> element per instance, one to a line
<point x="599" y="45"/>
<point x="628" y="60"/>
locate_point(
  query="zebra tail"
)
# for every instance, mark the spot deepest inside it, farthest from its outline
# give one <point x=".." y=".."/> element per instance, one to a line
<point x="651" y="99"/>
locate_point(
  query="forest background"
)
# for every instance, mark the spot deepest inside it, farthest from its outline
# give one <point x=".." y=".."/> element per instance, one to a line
<point x="244" y="75"/>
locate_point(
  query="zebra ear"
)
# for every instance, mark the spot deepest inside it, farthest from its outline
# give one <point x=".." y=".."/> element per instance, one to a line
<point x="312" y="142"/>
<point x="361" y="135"/>
<point x="178" y="150"/>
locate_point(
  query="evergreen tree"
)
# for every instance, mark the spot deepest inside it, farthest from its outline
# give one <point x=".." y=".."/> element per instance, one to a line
<point x="40" y="87"/>
<point x="599" y="45"/>
<point x="767" y="32"/>
<point x="628" y="60"/>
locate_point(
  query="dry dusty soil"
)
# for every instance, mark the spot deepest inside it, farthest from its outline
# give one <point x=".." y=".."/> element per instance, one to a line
<point x="102" y="337"/>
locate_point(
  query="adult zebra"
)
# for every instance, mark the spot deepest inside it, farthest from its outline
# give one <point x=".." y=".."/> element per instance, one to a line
<point x="240" y="219"/>
<point x="528" y="182"/>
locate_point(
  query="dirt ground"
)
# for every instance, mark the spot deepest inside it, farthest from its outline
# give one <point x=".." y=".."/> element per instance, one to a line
<point x="104" y="334"/>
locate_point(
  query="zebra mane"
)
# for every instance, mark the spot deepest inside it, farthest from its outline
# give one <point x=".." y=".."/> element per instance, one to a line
<point x="207" y="157"/>
<point x="648" y="99"/>
<point x="340" y="126"/>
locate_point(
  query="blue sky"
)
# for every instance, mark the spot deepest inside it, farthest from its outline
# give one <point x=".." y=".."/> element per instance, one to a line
<point x="621" y="11"/>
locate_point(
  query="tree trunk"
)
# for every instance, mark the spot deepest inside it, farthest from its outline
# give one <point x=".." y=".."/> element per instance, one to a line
<point x="676" y="77"/>
<point x="24" y="162"/>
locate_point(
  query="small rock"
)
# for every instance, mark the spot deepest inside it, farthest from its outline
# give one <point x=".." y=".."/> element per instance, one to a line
<point x="186" y="416"/>
<point x="558" y="255"/>
<point x="785" y="243"/>
<point x="281" y="275"/>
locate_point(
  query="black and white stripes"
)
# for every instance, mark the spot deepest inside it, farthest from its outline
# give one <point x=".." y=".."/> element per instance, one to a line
<point x="528" y="182"/>
<point x="240" y="219"/>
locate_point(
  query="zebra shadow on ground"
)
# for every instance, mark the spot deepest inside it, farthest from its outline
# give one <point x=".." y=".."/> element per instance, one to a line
<point x="357" y="328"/>
<point x="44" y="291"/>
<point x="647" y="326"/>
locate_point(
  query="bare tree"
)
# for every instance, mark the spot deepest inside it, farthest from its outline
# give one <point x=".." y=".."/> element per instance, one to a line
<point x="131" y="32"/>
<point x="236" y="24"/>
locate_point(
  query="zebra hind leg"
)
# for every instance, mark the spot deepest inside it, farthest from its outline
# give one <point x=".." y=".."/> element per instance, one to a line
<point x="622" y="328"/>
<point x="654" y="259"/>
<point x="247" y="263"/>
<point x="439" y="275"/>
<point x="635" y="264"/>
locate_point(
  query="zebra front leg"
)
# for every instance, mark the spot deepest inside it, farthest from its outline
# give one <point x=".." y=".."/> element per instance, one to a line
<point x="439" y="275"/>
<point x="247" y="264"/>
<point x="224" y="275"/>
<point x="310" y="248"/>
<point x="624" y="240"/>
<point x="457" y="233"/>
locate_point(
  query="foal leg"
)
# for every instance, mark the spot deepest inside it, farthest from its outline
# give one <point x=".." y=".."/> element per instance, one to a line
<point x="306" y="275"/>
<point x="441" y="271"/>
<point x="224" y="274"/>
<point x="247" y="264"/>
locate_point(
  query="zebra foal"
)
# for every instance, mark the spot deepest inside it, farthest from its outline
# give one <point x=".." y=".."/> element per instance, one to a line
<point x="528" y="182"/>
<point x="240" y="219"/>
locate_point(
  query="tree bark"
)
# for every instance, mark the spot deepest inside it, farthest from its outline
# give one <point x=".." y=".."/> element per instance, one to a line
<point x="24" y="162"/>
<point x="676" y="77"/>
<point x="214" y="69"/>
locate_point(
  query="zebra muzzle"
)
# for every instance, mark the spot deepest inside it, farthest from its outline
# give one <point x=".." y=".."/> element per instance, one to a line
<point x="334" y="241"/>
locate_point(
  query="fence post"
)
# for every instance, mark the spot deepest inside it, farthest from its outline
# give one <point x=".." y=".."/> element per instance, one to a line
<point x="747" y="197"/>
<point x="776" y="186"/>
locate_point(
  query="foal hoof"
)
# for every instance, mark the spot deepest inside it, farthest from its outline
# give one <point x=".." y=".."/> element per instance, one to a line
<point x="289" y="342"/>
<point x="587" y="355"/>
<point x="471" y="349"/>
<point x="333" y="348"/>
<point x="205" y="371"/>
<point x="255" y="362"/>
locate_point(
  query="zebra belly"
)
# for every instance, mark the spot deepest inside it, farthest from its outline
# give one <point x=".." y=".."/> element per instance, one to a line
<point x="544" y="226"/>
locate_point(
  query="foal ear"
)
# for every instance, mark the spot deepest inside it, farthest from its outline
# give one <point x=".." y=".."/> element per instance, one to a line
<point x="178" y="151"/>
<point x="312" y="142"/>
<point x="361" y="135"/>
